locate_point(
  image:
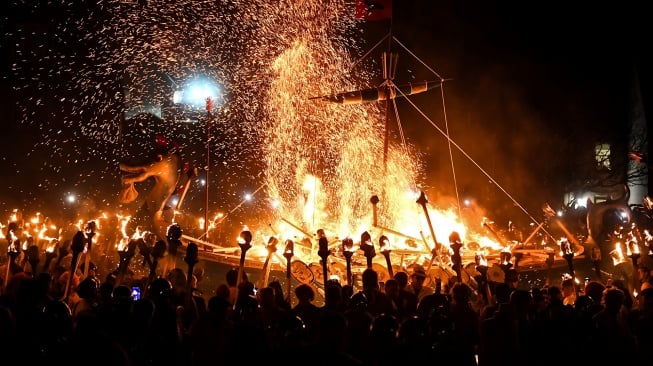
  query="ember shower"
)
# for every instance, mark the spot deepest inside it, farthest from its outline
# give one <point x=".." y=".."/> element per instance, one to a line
<point x="320" y="162"/>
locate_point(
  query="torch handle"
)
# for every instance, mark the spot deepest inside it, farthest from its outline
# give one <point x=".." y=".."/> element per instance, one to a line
<point x="288" y="280"/>
<point x="570" y="263"/>
<point x="189" y="286"/>
<point x="152" y="275"/>
<point x="241" y="269"/>
<point x="349" y="278"/>
<point x="636" y="284"/>
<point x="8" y="271"/>
<point x="325" y="270"/>
<point x="46" y="264"/>
<point x="263" y="281"/>
<point x="388" y="263"/>
<point x="69" y="282"/>
<point x="87" y="263"/>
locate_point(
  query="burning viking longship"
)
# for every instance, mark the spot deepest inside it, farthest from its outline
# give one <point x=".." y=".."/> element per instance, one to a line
<point x="341" y="207"/>
<point x="316" y="250"/>
<point x="339" y="180"/>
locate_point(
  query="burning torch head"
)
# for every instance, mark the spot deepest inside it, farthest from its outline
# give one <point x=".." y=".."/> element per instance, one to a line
<point x="78" y="243"/>
<point x="174" y="232"/>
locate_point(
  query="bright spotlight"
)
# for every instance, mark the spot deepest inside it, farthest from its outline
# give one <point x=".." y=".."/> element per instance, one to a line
<point x="195" y="93"/>
<point x="71" y="198"/>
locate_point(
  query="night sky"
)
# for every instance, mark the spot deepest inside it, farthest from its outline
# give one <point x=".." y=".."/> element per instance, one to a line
<point x="532" y="84"/>
<point x="534" y="87"/>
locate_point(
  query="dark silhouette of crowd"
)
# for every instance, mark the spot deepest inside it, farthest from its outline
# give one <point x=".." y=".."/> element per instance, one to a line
<point x="101" y="322"/>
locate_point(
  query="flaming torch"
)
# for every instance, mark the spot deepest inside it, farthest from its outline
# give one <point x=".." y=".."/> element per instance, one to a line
<point x="567" y="253"/>
<point x="288" y="253"/>
<point x="375" y="214"/>
<point x="90" y="233"/>
<point x="368" y="248"/>
<point x="348" y="252"/>
<point x="384" y="248"/>
<point x="49" y="255"/>
<point x="632" y="250"/>
<point x="456" y="244"/>
<point x="191" y="259"/>
<point x="173" y="236"/>
<point x="245" y="243"/>
<point x="323" y="252"/>
<point x="271" y="248"/>
<point x="482" y="268"/>
<point x="13" y="249"/>
<point x="505" y="257"/>
<point x="125" y="256"/>
<point x="77" y="247"/>
<point x="33" y="258"/>
<point x="619" y="261"/>
<point x="648" y="238"/>
<point x="157" y="252"/>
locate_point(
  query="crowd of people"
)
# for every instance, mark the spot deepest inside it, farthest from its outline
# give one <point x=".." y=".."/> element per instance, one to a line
<point x="98" y="320"/>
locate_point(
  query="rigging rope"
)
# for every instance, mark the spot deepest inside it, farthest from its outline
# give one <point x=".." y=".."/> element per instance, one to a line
<point x="453" y="143"/>
<point x="450" y="141"/>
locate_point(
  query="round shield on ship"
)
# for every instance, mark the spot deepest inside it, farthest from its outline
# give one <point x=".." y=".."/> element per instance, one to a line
<point x="301" y="271"/>
<point x="318" y="273"/>
<point x="338" y="270"/>
<point x="470" y="268"/>
<point x="496" y="274"/>
<point x="442" y="273"/>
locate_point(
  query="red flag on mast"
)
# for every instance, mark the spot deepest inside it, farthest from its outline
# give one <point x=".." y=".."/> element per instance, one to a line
<point x="373" y="9"/>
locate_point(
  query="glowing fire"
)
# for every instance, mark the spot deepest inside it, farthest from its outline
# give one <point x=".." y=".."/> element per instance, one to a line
<point x="323" y="161"/>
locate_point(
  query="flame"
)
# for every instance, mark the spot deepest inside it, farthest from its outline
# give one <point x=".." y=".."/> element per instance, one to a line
<point x="122" y="244"/>
<point x="617" y="254"/>
<point x="632" y="245"/>
<point x="11" y="247"/>
<point x="480" y="258"/>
